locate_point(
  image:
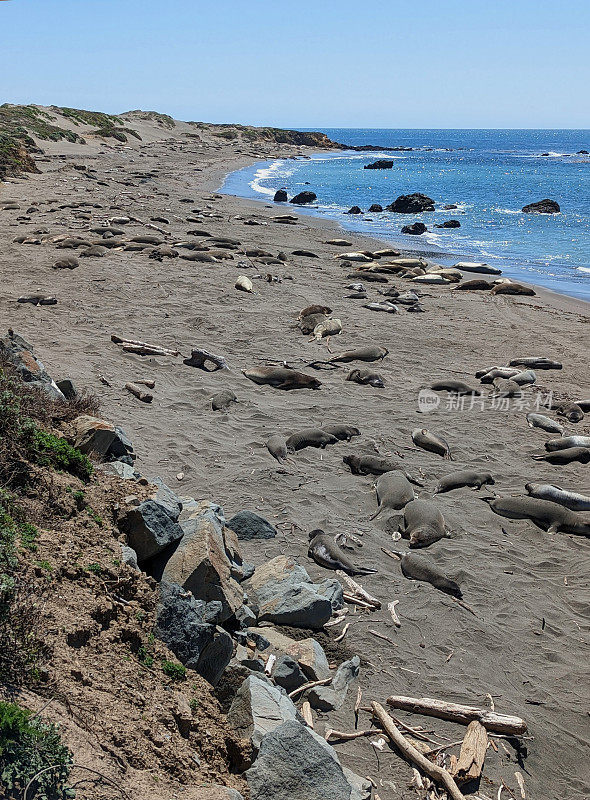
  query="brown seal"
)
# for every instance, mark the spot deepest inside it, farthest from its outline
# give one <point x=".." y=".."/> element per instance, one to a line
<point x="475" y="284"/>
<point x="366" y="378"/>
<point x="422" y="568"/>
<point x="281" y="378"/>
<point x="314" y="309"/>
<point x="393" y="491"/>
<point x="376" y="465"/>
<point x="423" y="523"/>
<point x="581" y="454"/>
<point x="342" y="432"/>
<point x="546" y="514"/>
<point x="513" y="288"/>
<point x="310" y="437"/>
<point x="325" y="552"/>
<point x="465" y="477"/>
<point x="371" y="353"/>
<point x="571" y="411"/>
<point x="423" y="438"/>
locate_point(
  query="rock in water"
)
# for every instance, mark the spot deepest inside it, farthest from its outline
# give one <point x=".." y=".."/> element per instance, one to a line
<point x="280" y="196"/>
<point x="303" y="197"/>
<point x="294" y="763"/>
<point x="354" y="210"/>
<point x="376" y="208"/>
<point x="542" y="207"/>
<point x="416" y="229"/>
<point x="381" y="163"/>
<point x="411" y="204"/>
<point x="449" y="223"/>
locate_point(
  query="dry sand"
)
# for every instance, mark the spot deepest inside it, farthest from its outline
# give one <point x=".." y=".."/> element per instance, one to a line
<point x="527" y="645"/>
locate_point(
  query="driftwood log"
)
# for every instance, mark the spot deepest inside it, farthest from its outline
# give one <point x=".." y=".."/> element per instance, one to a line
<point x="200" y="357"/>
<point x="142" y="348"/>
<point x="356" y="590"/>
<point x="473" y="752"/>
<point x="499" y="723"/>
<point x="437" y="774"/>
<point x="139" y="392"/>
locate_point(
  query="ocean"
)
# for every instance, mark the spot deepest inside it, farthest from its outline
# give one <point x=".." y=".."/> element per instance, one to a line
<point x="489" y="174"/>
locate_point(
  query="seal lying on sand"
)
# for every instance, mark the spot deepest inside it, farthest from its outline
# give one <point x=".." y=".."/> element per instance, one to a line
<point x="342" y="432"/>
<point x="310" y="437"/>
<point x="366" y="378"/>
<point x="430" y="441"/>
<point x="489" y="375"/>
<point x="539" y="362"/>
<point x="376" y="465"/>
<point x="467" y="477"/>
<point x="454" y="387"/>
<point x="325" y="552"/>
<point x="314" y="309"/>
<point x="223" y="399"/>
<point x="571" y="411"/>
<point x="546" y="514"/>
<point x="513" y="288"/>
<point x="581" y="454"/>
<point x="546" y="423"/>
<point x="277" y="447"/>
<point x="371" y="353"/>
<point x="547" y="491"/>
<point x="552" y="445"/>
<point x="393" y="491"/>
<point x="423" y="523"/>
<point x="281" y="378"/>
<point x="476" y="284"/>
<point x="422" y="568"/>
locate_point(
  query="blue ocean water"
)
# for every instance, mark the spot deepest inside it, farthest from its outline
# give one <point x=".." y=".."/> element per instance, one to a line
<point x="489" y="174"/>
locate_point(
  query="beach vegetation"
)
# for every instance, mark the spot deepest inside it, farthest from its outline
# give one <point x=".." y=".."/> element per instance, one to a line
<point x="174" y="670"/>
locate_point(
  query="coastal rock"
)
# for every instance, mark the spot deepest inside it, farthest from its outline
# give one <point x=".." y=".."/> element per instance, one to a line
<point x="258" y="708"/>
<point x="542" y="207"/>
<point x="294" y="763"/>
<point x="152" y="525"/>
<point x="308" y="653"/>
<point x="449" y="223"/>
<point x="332" y="697"/>
<point x="288" y="674"/>
<point x="416" y="229"/>
<point x="411" y="204"/>
<point x="20" y="354"/>
<point x="67" y="388"/>
<point x="376" y="208"/>
<point x="303" y="198"/>
<point x="280" y="196"/>
<point x="354" y="210"/>
<point x="180" y="624"/>
<point x="381" y="163"/>
<point x="249" y="525"/>
<point x="280" y="591"/>
<point x="200" y="562"/>
<point x="93" y="435"/>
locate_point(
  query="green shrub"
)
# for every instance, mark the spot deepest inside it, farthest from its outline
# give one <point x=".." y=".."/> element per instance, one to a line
<point x="28" y="746"/>
<point x="49" y="450"/>
<point x="173" y="670"/>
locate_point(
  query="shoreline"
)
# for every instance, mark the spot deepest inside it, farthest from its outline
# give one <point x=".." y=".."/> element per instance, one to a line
<point x="444" y="257"/>
<point x="527" y="589"/>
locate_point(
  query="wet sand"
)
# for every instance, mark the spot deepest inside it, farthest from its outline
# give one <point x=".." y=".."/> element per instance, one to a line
<point x="526" y="645"/>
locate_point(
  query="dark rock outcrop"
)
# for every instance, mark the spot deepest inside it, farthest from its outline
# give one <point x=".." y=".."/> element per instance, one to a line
<point x="248" y="525"/>
<point x="280" y="196"/>
<point x="542" y="207"/>
<point x="411" y="204"/>
<point x="416" y="229"/>
<point x="354" y="210"/>
<point x="381" y="163"/>
<point x="449" y="223"/>
<point x="303" y="198"/>
<point x="376" y="208"/>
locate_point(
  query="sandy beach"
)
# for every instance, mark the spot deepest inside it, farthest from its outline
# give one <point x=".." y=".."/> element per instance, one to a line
<point x="523" y="647"/>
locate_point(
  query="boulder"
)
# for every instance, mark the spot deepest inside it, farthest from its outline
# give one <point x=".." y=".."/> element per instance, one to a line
<point x="120" y="469"/>
<point x="542" y="207"/>
<point x="411" y="204"/>
<point x="303" y="198"/>
<point x="376" y="208"/>
<point x="258" y="708"/>
<point x="93" y="435"/>
<point x="20" y="354"/>
<point x="381" y="163"/>
<point x="280" y="196"/>
<point x="288" y="674"/>
<point x="201" y="562"/>
<point x="308" y="653"/>
<point x="180" y="624"/>
<point x="416" y="229"/>
<point x="450" y="206"/>
<point x="449" y="223"/>
<point x="582" y="153"/>
<point x="332" y="696"/>
<point x="294" y="763"/>
<point x="129" y="556"/>
<point x="248" y="525"/>
<point x="152" y="526"/>
<point x="280" y="591"/>
<point x="67" y="388"/>
<point x="354" y="210"/>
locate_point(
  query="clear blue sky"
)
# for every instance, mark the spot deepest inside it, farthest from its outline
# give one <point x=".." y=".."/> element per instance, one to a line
<point x="306" y="63"/>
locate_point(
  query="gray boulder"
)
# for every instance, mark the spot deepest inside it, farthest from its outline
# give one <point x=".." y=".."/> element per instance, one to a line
<point x="248" y="525"/>
<point x="180" y="624"/>
<point x="20" y="353"/>
<point x="294" y="763"/>
<point x="303" y="198"/>
<point x="332" y="697"/>
<point x="308" y="653"/>
<point x="151" y="526"/>
<point x="288" y="674"/>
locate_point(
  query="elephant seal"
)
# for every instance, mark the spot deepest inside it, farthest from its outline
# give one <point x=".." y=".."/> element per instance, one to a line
<point x="536" y="363"/>
<point x="308" y="323"/>
<point x="371" y="353"/>
<point x="583" y="404"/>
<point x="545" y="514"/>
<point x="525" y="378"/>
<point x="281" y="378"/>
<point x="310" y="437"/>
<point x="222" y="400"/>
<point x="393" y="491"/>
<point x="552" y="445"/>
<point x="581" y="454"/>
<point x="454" y="387"/>
<point x="244" y="284"/>
<point x="571" y="411"/>
<point x="386" y="306"/>
<point x="314" y="309"/>
<point x="342" y="432"/>
<point x="325" y="552"/>
<point x="327" y="327"/>
<point x="546" y="423"/>
<point x="513" y="288"/>
<point x="489" y="375"/>
<point x="376" y="465"/>
<point x="505" y="387"/>
<point x="548" y="491"/>
<point x="366" y="378"/>
<point x="422" y="568"/>
<point x="277" y="447"/>
<point x="466" y="477"/>
<point x="477" y="266"/>
<point x="423" y="523"/>
<point x="423" y="438"/>
<point x="476" y="284"/>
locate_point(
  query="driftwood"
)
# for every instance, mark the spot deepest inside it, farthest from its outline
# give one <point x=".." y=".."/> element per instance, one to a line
<point x="145" y="382"/>
<point x="382" y="636"/>
<point x="339" y="736"/>
<point x="499" y="723"/>
<point x="344" y="632"/>
<point x="357" y="590"/>
<point x="438" y="774"/>
<point x="310" y="685"/>
<point x="391" y="608"/>
<point x="142" y="348"/>
<point x="306" y="713"/>
<point x="473" y="752"/>
<point x="200" y="357"/>
<point x="138" y="392"/>
<point x="350" y="598"/>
